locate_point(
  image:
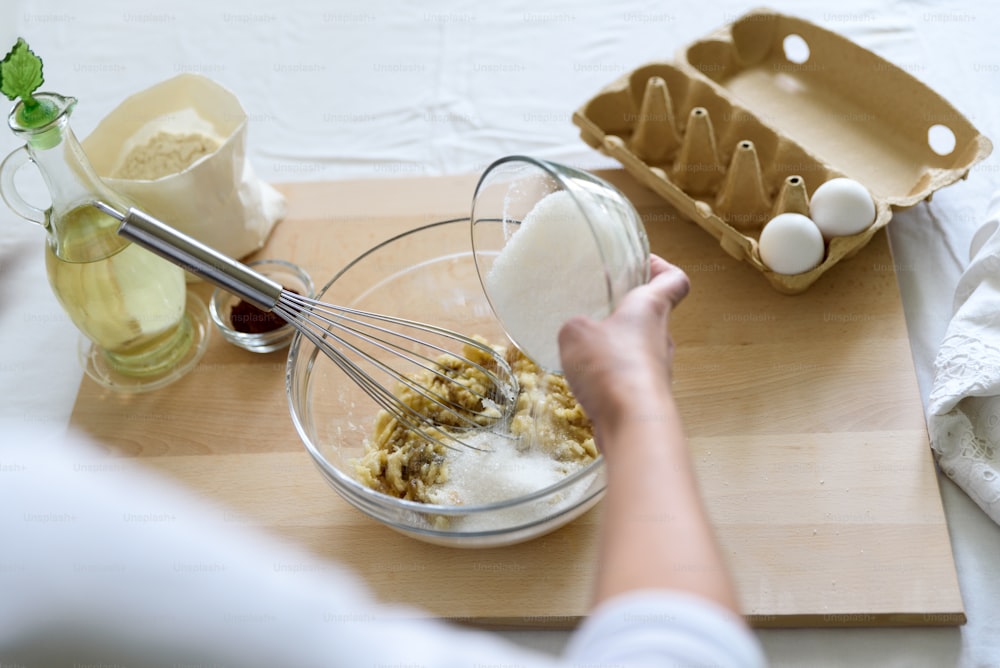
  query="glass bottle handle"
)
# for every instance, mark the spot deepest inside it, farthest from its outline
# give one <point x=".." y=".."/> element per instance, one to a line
<point x="13" y="162"/>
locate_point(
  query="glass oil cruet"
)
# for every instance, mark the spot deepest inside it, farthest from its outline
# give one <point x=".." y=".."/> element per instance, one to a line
<point x="129" y="304"/>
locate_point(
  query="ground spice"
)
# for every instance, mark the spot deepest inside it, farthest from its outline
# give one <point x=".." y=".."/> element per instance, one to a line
<point x="247" y="318"/>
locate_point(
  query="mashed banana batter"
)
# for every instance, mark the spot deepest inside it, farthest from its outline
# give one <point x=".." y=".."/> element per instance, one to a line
<point x="547" y="418"/>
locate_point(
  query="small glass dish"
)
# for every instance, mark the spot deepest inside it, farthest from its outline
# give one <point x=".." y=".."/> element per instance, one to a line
<point x="581" y="247"/>
<point x="292" y="277"/>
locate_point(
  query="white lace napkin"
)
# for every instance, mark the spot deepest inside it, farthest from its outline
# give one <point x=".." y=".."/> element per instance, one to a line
<point x="964" y="404"/>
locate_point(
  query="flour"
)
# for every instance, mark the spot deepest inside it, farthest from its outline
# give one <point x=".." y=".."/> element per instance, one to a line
<point x="550" y="270"/>
<point x="164" y="154"/>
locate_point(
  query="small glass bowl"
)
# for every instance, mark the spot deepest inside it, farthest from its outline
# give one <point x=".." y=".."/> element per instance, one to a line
<point x="598" y="245"/>
<point x="291" y="277"/>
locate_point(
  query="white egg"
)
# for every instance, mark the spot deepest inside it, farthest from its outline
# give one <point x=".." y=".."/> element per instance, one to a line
<point x="790" y="243"/>
<point x="841" y="207"/>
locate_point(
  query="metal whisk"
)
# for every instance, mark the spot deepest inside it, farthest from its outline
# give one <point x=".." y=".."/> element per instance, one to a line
<point x="351" y="338"/>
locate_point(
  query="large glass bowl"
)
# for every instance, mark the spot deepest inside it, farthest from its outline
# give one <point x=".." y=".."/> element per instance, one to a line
<point x="427" y="274"/>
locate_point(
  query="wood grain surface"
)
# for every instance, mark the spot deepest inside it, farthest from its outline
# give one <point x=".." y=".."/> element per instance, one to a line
<point x="803" y="415"/>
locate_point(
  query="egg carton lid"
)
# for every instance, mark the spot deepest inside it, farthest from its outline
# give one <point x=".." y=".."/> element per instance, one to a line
<point x="855" y="111"/>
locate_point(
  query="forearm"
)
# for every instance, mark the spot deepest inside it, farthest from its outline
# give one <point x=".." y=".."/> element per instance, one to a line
<point x="656" y="533"/>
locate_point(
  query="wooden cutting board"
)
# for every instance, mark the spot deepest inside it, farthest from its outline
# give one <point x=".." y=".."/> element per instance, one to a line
<point x="803" y="414"/>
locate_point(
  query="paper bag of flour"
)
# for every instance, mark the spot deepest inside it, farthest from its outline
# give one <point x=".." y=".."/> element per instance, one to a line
<point x="178" y="150"/>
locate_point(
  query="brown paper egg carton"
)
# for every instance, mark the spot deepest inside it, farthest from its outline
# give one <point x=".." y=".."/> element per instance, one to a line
<point x="753" y="118"/>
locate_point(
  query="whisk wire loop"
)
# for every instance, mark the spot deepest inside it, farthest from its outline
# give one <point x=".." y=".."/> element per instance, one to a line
<point x="336" y="317"/>
<point x="327" y="333"/>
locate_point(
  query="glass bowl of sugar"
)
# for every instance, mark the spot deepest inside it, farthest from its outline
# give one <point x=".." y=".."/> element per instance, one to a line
<point x="552" y="242"/>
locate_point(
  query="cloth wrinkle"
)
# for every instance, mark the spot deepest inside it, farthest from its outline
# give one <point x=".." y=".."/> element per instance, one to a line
<point x="964" y="402"/>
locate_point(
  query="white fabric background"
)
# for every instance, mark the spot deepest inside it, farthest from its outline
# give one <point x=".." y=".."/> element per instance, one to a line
<point x="378" y="89"/>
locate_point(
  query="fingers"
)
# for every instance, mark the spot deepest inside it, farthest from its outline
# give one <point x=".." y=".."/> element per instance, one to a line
<point x="657" y="265"/>
<point x="667" y="287"/>
<point x="571" y="329"/>
<point x="667" y="281"/>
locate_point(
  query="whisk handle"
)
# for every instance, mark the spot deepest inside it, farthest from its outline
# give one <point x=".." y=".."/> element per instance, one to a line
<point x="197" y="258"/>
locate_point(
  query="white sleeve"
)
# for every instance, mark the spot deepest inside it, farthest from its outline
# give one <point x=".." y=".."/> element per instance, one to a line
<point x="105" y="563"/>
<point x="664" y="629"/>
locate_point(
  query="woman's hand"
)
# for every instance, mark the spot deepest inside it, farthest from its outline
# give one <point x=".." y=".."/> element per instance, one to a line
<point x="628" y="356"/>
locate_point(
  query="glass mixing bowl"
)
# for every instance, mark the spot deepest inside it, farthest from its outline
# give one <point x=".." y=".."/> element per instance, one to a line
<point x="552" y="242"/>
<point x="427" y="274"/>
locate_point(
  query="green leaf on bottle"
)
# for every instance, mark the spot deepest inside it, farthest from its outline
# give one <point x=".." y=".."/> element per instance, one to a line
<point x="21" y="73"/>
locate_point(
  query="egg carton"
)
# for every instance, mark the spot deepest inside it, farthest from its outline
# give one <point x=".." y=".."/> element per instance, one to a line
<point x="750" y="120"/>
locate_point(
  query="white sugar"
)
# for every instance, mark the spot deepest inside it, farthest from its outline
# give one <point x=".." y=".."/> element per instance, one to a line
<point x="499" y="471"/>
<point x="549" y="271"/>
<point x="504" y="473"/>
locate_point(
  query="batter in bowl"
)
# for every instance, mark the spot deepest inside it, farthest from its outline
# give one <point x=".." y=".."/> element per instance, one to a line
<point x="548" y="437"/>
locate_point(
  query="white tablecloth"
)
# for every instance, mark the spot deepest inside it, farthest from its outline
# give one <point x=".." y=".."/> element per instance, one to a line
<point x="379" y="89"/>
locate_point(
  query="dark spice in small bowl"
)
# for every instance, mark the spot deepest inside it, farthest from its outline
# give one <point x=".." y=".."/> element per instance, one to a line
<point x="247" y="318"/>
<point x="252" y="328"/>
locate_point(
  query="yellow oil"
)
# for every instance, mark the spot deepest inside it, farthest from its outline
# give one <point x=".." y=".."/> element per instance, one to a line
<point x="125" y="299"/>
